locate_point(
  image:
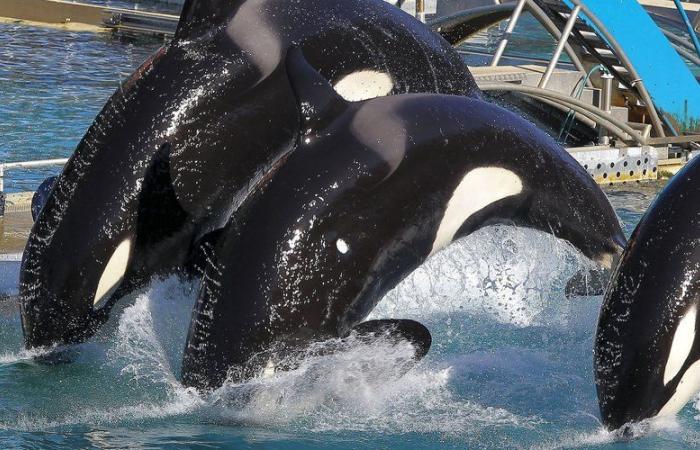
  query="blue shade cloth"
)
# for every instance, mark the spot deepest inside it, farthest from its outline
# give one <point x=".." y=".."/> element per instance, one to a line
<point x="668" y="79"/>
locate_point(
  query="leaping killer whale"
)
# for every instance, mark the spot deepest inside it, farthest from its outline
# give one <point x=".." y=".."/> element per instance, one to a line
<point x="181" y="143"/>
<point x="372" y="190"/>
<point x="647" y="351"/>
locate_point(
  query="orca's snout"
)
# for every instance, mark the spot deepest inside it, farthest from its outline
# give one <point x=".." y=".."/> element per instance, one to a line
<point x="594" y="281"/>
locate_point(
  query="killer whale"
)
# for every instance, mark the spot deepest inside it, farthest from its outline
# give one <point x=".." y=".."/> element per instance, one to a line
<point x="373" y="189"/>
<point x="183" y="140"/>
<point x="647" y="350"/>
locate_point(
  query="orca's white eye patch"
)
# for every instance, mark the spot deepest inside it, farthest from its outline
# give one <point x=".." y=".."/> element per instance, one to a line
<point x="478" y="189"/>
<point x="364" y="85"/>
<point x="113" y="273"/>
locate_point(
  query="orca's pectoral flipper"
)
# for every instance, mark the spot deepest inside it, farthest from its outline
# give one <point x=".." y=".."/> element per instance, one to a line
<point x="396" y="330"/>
<point x="41" y="195"/>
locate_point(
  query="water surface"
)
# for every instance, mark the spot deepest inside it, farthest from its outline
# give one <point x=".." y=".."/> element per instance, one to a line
<point x="53" y="83"/>
<point x="511" y="364"/>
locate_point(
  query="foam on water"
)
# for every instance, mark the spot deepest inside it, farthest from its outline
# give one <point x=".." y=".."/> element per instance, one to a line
<point x="358" y="388"/>
<point x="362" y="388"/>
<point x="506" y="367"/>
<point x="511" y="275"/>
<point x="23" y="356"/>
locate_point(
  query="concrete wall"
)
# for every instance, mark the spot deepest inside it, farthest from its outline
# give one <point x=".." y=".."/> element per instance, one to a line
<point x="51" y="11"/>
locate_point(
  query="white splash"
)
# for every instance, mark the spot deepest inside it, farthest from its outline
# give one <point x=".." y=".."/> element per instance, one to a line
<point x="510" y="274"/>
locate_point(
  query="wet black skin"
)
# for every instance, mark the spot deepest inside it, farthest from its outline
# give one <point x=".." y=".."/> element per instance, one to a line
<point x="656" y="282"/>
<point x="278" y="275"/>
<point x="182" y="142"/>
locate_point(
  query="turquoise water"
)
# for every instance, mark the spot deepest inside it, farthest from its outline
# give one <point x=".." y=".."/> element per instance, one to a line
<point x="52" y="85"/>
<point x="511" y="364"/>
<point x="510" y="367"/>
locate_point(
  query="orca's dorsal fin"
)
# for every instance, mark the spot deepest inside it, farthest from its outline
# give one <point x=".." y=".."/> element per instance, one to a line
<point x="197" y="14"/>
<point x="319" y="103"/>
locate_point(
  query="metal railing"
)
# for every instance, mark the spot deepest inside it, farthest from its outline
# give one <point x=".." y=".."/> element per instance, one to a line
<point x="28" y="165"/>
<point x="562" y="43"/>
<point x="560" y="46"/>
<point x="624" y="59"/>
<point x="509" y="31"/>
<point x="617" y="127"/>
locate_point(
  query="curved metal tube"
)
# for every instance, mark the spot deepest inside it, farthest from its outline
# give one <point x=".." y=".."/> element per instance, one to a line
<point x="639" y="84"/>
<point x="593" y="113"/>
<point x="587" y="116"/>
<point x="686" y="54"/>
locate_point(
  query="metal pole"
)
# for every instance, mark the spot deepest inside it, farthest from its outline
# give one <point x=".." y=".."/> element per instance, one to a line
<point x="616" y="126"/>
<point x="560" y="47"/>
<point x="33" y="164"/>
<point x="606" y="104"/>
<point x="686" y="21"/>
<point x="420" y="10"/>
<point x="509" y="30"/>
<point x="547" y="23"/>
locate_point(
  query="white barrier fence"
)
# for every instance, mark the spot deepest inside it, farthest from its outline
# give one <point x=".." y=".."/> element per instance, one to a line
<point x="28" y="165"/>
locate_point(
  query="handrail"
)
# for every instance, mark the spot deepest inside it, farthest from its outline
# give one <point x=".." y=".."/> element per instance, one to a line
<point x="637" y="83"/>
<point x="28" y="165"/>
<point x="33" y="164"/>
<point x="509" y="30"/>
<point x="566" y="32"/>
<point x="592" y="112"/>
<point x="551" y="27"/>
<point x="455" y="28"/>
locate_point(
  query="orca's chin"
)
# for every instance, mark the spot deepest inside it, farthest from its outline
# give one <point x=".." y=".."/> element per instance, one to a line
<point x="588" y="282"/>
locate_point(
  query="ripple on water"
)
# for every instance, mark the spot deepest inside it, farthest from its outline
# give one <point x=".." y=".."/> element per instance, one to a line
<point x="511" y="364"/>
<point x="53" y="84"/>
<point x="494" y="378"/>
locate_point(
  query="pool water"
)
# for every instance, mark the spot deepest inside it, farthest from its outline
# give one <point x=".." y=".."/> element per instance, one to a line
<point x="52" y="85"/>
<point x="510" y="366"/>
